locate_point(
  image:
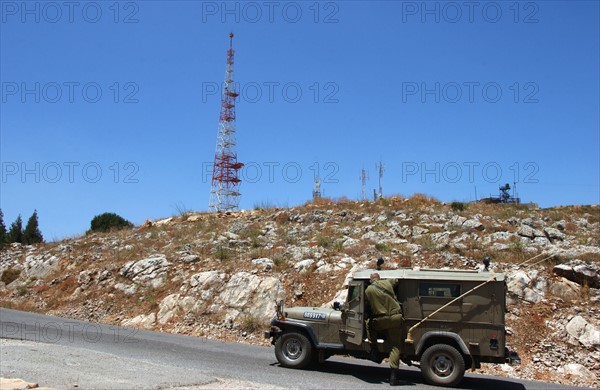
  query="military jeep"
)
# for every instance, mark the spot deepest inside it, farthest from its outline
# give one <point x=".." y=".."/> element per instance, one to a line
<point x="453" y="320"/>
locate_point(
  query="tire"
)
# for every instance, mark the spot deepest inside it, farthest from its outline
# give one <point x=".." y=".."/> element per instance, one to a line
<point x="294" y="350"/>
<point x="442" y="365"/>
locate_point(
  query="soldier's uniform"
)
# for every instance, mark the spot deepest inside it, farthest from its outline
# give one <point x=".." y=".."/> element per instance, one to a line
<point x="386" y="316"/>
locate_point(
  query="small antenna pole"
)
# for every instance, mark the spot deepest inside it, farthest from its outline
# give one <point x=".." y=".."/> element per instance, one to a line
<point x="364" y="176"/>
<point x="380" y="168"/>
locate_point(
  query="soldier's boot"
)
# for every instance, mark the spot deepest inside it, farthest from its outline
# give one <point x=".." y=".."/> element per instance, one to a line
<point x="394" y="377"/>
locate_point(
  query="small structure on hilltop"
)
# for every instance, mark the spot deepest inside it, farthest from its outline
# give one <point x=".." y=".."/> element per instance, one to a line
<point x="504" y="195"/>
<point x="317" y="188"/>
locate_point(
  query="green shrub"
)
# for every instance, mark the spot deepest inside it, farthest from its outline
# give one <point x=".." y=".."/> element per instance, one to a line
<point x="21" y="290"/>
<point x="109" y="221"/>
<point x="222" y="253"/>
<point x="458" y="206"/>
<point x="382" y="247"/>
<point x="9" y="275"/>
<point x="324" y="240"/>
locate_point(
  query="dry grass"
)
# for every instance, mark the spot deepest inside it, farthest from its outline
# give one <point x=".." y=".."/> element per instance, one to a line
<point x="251" y="324"/>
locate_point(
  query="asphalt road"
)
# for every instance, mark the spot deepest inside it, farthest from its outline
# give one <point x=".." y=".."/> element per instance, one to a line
<point x="66" y="353"/>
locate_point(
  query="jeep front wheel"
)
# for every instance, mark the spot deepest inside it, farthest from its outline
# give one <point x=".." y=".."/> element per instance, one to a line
<point x="293" y="350"/>
<point x="442" y="365"/>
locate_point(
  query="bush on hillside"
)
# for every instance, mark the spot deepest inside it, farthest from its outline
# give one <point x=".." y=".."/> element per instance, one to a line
<point x="458" y="206"/>
<point x="109" y="221"/>
<point x="9" y="275"/>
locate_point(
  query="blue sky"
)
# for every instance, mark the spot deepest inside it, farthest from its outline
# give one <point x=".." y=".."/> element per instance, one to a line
<point x="114" y="106"/>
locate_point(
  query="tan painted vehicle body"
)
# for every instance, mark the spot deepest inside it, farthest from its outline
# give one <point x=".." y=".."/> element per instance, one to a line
<point x="453" y="319"/>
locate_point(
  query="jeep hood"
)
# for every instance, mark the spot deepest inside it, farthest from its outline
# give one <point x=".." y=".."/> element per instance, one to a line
<point x="312" y="314"/>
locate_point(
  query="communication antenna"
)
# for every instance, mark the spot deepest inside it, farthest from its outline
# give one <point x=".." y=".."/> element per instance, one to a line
<point x="224" y="191"/>
<point x="317" y="189"/>
<point x="380" y="168"/>
<point x="364" y="176"/>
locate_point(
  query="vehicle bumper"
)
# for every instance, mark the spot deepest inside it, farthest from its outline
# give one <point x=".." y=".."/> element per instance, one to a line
<point x="273" y="332"/>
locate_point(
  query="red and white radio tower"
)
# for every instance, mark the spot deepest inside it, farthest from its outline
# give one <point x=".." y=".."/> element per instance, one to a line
<point x="224" y="192"/>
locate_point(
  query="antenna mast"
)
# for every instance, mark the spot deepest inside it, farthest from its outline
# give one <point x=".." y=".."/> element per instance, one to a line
<point x="380" y="168"/>
<point x="224" y="192"/>
<point x="364" y="176"/>
<point x="317" y="189"/>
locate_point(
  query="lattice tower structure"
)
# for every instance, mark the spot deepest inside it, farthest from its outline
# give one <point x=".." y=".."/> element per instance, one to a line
<point x="224" y="192"/>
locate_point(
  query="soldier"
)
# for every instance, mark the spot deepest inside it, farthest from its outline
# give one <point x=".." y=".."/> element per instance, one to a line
<point x="386" y="316"/>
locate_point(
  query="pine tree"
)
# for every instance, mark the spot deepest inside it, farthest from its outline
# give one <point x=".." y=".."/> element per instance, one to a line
<point x="15" y="234"/>
<point x="32" y="234"/>
<point x="3" y="234"/>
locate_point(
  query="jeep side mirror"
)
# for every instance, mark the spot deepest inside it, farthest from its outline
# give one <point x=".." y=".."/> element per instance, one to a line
<point x="337" y="305"/>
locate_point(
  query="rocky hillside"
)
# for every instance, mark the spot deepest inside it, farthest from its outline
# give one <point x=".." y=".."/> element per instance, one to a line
<point x="218" y="276"/>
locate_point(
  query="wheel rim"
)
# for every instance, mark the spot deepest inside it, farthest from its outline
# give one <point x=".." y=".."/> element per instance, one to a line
<point x="292" y="349"/>
<point x="442" y="365"/>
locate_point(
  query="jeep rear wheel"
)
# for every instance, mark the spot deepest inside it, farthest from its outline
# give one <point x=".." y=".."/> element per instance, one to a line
<point x="293" y="350"/>
<point x="442" y="365"/>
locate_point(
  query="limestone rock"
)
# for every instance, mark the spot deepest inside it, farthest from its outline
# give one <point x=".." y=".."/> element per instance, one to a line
<point x="529" y="232"/>
<point x="190" y="258"/>
<point x="344" y="262"/>
<point x="19" y="384"/>
<point x="418" y="231"/>
<point x="503" y="236"/>
<point x="457" y="220"/>
<point x="194" y="218"/>
<point x="165" y="221"/>
<point x="473" y="224"/>
<point x="349" y="241"/>
<point x="587" y="334"/>
<point x="497" y="246"/>
<point x="526" y="286"/>
<point x="205" y="283"/>
<point x="304" y="265"/>
<point x="127" y="289"/>
<point x="517" y="282"/>
<point x="578" y="370"/>
<point x="151" y="271"/>
<point x="579" y="272"/>
<point x="41" y="265"/>
<point x="141" y="321"/>
<point x="554" y="234"/>
<point x="441" y="239"/>
<point x="85" y="278"/>
<point x="540" y="241"/>
<point x="175" y="304"/>
<point x="264" y="263"/>
<point x="323" y="267"/>
<point x="413" y="248"/>
<point x="167" y="308"/>
<point x="253" y="295"/>
<point x="565" y="289"/>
